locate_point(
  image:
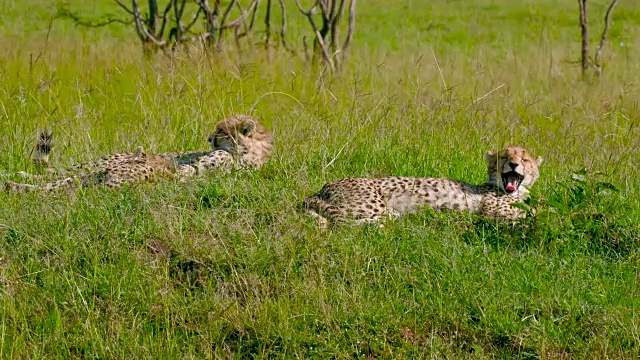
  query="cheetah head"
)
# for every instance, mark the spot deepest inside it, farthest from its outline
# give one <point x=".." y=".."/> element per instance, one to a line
<point x="243" y="137"/>
<point x="513" y="169"/>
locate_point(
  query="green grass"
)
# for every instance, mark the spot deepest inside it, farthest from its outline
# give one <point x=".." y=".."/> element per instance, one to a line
<point x="229" y="266"/>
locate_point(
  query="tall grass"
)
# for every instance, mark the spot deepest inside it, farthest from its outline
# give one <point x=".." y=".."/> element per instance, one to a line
<point x="229" y="266"/>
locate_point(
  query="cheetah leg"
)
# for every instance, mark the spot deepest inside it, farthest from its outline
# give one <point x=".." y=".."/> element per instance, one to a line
<point x="323" y="223"/>
<point x="321" y="210"/>
<point x="392" y="214"/>
<point x="183" y="172"/>
<point x="370" y="221"/>
<point x="389" y="214"/>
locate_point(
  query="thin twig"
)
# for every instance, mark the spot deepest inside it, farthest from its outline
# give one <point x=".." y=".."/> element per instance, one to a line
<point x="178" y="28"/>
<point x="124" y="7"/>
<point x="324" y="7"/>
<point x="236" y="30"/>
<point x="165" y="19"/>
<point x="242" y="17"/>
<point x="487" y="94"/>
<point x="352" y="25"/>
<point x="283" y="26"/>
<point x="439" y="70"/>
<point x="607" y="23"/>
<point x="46" y="42"/>
<point x="211" y="18"/>
<point x="338" y="11"/>
<point x="253" y="17"/>
<point x="365" y="123"/>
<point x="225" y="16"/>
<point x="255" y="103"/>
<point x="66" y="13"/>
<point x="195" y="17"/>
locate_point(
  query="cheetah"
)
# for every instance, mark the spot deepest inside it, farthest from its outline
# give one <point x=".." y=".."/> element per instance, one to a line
<point x="369" y="200"/>
<point x="237" y="142"/>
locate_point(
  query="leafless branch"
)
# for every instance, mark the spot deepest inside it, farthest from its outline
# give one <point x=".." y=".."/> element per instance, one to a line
<point x="241" y="18"/>
<point x="65" y="13"/>
<point x="352" y="25"/>
<point x="585" y="36"/>
<point x="253" y="16"/>
<point x="267" y="23"/>
<point x="244" y="20"/>
<point x="603" y="38"/>
<point x="323" y="16"/>
<point x="195" y="18"/>
<point x="177" y="13"/>
<point x="225" y="16"/>
<point x="152" y="20"/>
<point x="596" y="63"/>
<point x="336" y="15"/>
<point x="324" y="7"/>
<point x="283" y="26"/>
<point x="211" y="18"/>
<point x="141" y="29"/>
<point x="165" y="19"/>
<point x="124" y="7"/>
<point x="319" y="39"/>
<point x="253" y="10"/>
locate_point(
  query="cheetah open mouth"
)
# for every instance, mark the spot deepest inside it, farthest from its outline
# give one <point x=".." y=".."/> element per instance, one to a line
<point x="511" y="181"/>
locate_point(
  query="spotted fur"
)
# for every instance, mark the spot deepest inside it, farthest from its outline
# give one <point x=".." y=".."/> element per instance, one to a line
<point x="366" y="200"/>
<point x="237" y="142"/>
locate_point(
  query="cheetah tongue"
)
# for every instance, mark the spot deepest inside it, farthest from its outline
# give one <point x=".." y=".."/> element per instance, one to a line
<point x="512" y="183"/>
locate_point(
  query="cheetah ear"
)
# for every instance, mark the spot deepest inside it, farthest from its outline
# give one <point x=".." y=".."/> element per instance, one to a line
<point x="539" y="160"/>
<point x="247" y="127"/>
<point x="491" y="157"/>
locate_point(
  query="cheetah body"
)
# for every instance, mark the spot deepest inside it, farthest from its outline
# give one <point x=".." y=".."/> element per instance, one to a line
<point x="368" y="200"/>
<point x="237" y="142"/>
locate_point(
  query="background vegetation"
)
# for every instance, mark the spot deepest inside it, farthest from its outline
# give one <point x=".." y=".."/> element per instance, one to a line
<point x="228" y="266"/>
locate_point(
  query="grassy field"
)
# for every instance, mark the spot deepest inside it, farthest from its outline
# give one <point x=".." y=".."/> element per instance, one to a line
<point x="229" y="267"/>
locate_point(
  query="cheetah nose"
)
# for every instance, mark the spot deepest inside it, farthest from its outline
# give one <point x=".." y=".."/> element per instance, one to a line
<point x="513" y="166"/>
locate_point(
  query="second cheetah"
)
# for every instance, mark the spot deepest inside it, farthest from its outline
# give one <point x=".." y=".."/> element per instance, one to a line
<point x="369" y="200"/>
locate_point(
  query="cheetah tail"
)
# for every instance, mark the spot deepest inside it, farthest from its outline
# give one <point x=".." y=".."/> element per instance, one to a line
<point x="43" y="149"/>
<point x="10" y="186"/>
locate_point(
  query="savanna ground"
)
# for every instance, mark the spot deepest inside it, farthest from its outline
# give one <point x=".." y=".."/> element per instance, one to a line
<point x="228" y="266"/>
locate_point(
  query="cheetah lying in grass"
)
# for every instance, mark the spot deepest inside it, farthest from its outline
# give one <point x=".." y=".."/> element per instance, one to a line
<point x="237" y="142"/>
<point x="365" y="200"/>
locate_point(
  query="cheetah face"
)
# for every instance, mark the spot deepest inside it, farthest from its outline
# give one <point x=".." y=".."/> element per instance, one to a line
<point x="243" y="137"/>
<point x="513" y="169"/>
<point x="232" y="133"/>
